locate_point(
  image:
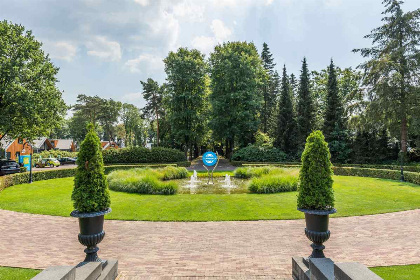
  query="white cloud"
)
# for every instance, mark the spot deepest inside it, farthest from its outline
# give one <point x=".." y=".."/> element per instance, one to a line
<point x="133" y="96"/>
<point x="269" y="2"/>
<point x="220" y="31"/>
<point x="145" y="63"/>
<point x="61" y="50"/>
<point x="332" y="3"/>
<point x="204" y="43"/>
<point x="242" y="3"/>
<point x="189" y="10"/>
<point x="104" y="49"/>
<point x="143" y="3"/>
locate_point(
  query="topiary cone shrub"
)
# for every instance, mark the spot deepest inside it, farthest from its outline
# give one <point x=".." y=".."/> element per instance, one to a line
<point x="315" y="189"/>
<point x="90" y="193"/>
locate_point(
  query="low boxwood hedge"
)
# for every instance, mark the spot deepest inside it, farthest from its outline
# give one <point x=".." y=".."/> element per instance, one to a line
<point x="143" y="155"/>
<point x="411" y="177"/>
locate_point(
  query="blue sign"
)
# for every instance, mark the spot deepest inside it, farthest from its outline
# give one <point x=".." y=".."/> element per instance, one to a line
<point x="25" y="160"/>
<point x="209" y="158"/>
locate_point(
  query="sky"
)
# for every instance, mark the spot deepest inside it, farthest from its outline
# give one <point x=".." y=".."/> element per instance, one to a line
<point x="106" y="47"/>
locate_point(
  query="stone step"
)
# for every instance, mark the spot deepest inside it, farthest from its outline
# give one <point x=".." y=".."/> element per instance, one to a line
<point x="110" y="272"/>
<point x="354" y="271"/>
<point x="89" y="271"/>
<point x="57" y="273"/>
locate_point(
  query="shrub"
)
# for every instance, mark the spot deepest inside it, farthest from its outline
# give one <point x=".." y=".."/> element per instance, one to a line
<point x="273" y="184"/>
<point x="54" y="153"/>
<point x="142" y="155"/>
<point x="171" y="172"/>
<point x="259" y="154"/>
<point x="143" y="181"/>
<point x="248" y="172"/>
<point x="315" y="189"/>
<point x="90" y="193"/>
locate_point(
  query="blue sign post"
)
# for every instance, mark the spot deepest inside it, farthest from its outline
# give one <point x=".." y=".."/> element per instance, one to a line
<point x="26" y="162"/>
<point x="210" y="159"/>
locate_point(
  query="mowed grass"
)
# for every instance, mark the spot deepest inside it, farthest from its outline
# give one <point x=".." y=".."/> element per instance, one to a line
<point x="354" y="196"/>
<point x="398" y="272"/>
<point x="12" y="273"/>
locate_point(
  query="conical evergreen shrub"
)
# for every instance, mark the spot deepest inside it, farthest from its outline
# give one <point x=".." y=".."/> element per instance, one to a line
<point x="90" y="193"/>
<point x="315" y="189"/>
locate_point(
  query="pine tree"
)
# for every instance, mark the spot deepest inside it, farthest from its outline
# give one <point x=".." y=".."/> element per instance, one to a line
<point x="392" y="69"/>
<point x="305" y="107"/>
<point x="286" y="126"/>
<point x="268" y="88"/>
<point x="334" y="121"/>
<point x="90" y="193"/>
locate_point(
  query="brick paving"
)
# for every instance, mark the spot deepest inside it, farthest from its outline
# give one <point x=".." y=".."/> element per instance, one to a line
<point x="215" y="250"/>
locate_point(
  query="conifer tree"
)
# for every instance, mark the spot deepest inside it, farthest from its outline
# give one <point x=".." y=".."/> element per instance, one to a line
<point x="286" y="126"/>
<point x="90" y="193"/>
<point x="305" y="107"/>
<point x="334" y="121"/>
<point x="268" y="88"/>
<point x="392" y="70"/>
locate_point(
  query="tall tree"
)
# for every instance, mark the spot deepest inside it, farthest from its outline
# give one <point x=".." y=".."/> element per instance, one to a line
<point x="153" y="94"/>
<point x="108" y="117"/>
<point x="286" y="122"/>
<point x="305" y="106"/>
<point x="393" y="66"/>
<point x="89" y="106"/>
<point x="335" y="130"/>
<point x="267" y="88"/>
<point x="237" y="73"/>
<point x="186" y="76"/>
<point x="30" y="103"/>
<point x="131" y="119"/>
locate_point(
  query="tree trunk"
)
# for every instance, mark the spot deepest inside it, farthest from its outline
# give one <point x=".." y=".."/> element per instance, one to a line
<point x="404" y="134"/>
<point x="157" y="127"/>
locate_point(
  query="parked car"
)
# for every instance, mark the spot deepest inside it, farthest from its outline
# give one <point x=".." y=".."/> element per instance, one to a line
<point x="50" y="162"/>
<point x="67" y="160"/>
<point x="9" y="167"/>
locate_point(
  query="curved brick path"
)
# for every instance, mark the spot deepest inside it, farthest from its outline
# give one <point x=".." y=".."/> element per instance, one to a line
<point x="254" y="249"/>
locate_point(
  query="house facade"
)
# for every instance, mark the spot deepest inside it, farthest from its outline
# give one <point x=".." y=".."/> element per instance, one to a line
<point x="106" y="145"/>
<point x="13" y="148"/>
<point x="67" y="145"/>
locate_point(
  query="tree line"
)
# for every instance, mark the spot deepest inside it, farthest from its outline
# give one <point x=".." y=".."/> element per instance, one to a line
<point x="235" y="97"/>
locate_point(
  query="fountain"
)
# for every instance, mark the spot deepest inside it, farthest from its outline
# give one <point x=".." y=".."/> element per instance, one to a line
<point x="227" y="181"/>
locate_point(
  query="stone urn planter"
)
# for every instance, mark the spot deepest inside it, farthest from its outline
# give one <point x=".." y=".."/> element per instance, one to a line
<point x="316" y="194"/>
<point x="316" y="229"/>
<point x="92" y="232"/>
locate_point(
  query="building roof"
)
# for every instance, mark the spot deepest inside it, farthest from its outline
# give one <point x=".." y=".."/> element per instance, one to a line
<point x="6" y="142"/>
<point x="63" y="144"/>
<point x="37" y="143"/>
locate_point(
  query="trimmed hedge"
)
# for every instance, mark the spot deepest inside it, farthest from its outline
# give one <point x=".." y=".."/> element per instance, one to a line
<point x="273" y="184"/>
<point x="410" y="177"/>
<point x="143" y="155"/>
<point x="248" y="172"/>
<point x="410" y="168"/>
<point x="259" y="154"/>
<point x="255" y="163"/>
<point x="22" y="178"/>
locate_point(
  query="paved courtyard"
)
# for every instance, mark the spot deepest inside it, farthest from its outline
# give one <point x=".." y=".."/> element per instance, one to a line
<point x="239" y="250"/>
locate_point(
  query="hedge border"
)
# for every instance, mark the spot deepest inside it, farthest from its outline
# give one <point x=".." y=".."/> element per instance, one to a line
<point x="411" y="177"/>
<point x="21" y="178"/>
<point x="409" y="168"/>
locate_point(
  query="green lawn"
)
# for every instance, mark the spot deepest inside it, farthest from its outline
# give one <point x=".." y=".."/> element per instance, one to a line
<point x="12" y="273"/>
<point x="398" y="272"/>
<point x="354" y="196"/>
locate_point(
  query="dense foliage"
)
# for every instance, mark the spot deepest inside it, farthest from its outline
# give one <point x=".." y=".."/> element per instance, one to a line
<point x="90" y="193"/>
<point x="31" y="105"/>
<point x="249" y="172"/>
<point x="142" y="155"/>
<point x="54" y="154"/>
<point x="236" y="74"/>
<point x="259" y="154"/>
<point x="315" y="189"/>
<point x="186" y="96"/>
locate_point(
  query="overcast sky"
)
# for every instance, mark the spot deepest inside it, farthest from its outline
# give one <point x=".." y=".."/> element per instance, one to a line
<point x="106" y="47"/>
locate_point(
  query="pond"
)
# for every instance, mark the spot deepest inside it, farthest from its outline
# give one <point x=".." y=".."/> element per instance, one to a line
<point x="220" y="185"/>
